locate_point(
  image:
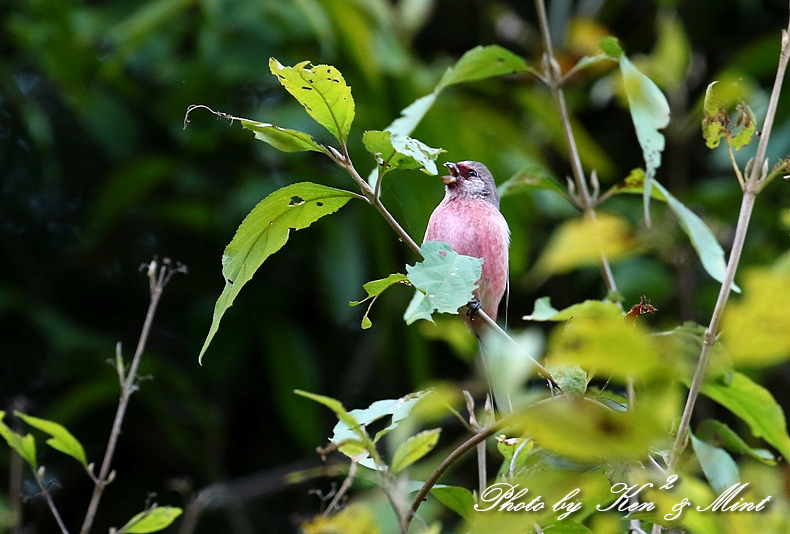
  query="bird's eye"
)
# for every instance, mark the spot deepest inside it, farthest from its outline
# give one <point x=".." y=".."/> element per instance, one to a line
<point x="472" y="173"/>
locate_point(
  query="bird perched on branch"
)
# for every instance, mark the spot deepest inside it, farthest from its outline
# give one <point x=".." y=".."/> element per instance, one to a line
<point x="468" y="218"/>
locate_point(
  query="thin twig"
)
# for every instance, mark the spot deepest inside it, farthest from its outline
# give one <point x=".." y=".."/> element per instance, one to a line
<point x="158" y="276"/>
<point x="462" y="449"/>
<point x="751" y="189"/>
<point x="555" y="80"/>
<point x="50" y="503"/>
<point x="344" y="487"/>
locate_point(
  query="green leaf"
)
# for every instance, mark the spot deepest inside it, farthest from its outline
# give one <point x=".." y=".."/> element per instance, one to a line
<point x="533" y="178"/>
<point x="566" y="526"/>
<point x="282" y="138"/>
<point x="544" y="311"/>
<point x="374" y="289"/>
<point x="746" y="124"/>
<point x="510" y="447"/>
<point x="482" y="62"/>
<point x="712" y="430"/>
<point x="322" y="91"/>
<point x="413" y="449"/>
<point x="354" y="431"/>
<point x="264" y="231"/>
<point x="702" y="239"/>
<point x="62" y="440"/>
<point x="25" y="446"/>
<point x="412" y="114"/>
<point x="597" y="431"/>
<point x="444" y="281"/>
<point x="509" y="363"/>
<point x="459" y="500"/>
<point x="152" y="520"/>
<point x="650" y="113"/>
<point x="611" y="46"/>
<point x="756" y="328"/>
<point x="633" y="183"/>
<point x="393" y="151"/>
<point x="755" y="405"/>
<point x="719" y="467"/>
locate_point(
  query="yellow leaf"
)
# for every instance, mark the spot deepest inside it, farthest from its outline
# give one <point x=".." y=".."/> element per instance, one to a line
<point x="354" y="519"/>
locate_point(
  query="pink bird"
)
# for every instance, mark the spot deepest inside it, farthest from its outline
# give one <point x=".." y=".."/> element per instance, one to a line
<point x="468" y="218"/>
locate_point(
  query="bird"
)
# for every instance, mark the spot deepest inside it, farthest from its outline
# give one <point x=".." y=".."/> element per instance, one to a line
<point x="469" y="220"/>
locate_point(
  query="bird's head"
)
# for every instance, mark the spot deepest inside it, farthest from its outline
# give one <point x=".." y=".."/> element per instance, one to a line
<point x="470" y="179"/>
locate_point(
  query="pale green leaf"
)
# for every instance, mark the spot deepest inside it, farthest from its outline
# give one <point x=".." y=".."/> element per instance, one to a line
<point x="457" y="499"/>
<point x="393" y="151"/>
<point x="374" y="289"/>
<point x="153" y="520"/>
<point x="62" y="440"/>
<point x="412" y="114"/>
<point x="25" y="446"/>
<point x="755" y="405"/>
<point x="322" y="91"/>
<point x="282" y="138"/>
<point x="702" y="239"/>
<point x="413" y="449"/>
<point x="398" y="409"/>
<point x="711" y="429"/>
<point x="719" y="467"/>
<point x="544" y="311"/>
<point x="509" y="364"/>
<point x="482" y="62"/>
<point x="650" y="113"/>
<point x="264" y="231"/>
<point x="566" y="526"/>
<point x="444" y="281"/>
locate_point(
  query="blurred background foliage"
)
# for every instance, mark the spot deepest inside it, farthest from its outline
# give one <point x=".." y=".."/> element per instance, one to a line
<point x="98" y="176"/>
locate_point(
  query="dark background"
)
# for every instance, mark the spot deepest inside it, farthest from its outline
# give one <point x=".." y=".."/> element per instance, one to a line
<point x="97" y="176"/>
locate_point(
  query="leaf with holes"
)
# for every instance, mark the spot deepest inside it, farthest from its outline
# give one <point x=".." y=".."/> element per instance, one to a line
<point x="25" y="445"/>
<point x="152" y="520"/>
<point x="393" y="151"/>
<point x="62" y="440"/>
<point x="283" y="139"/>
<point x="444" y="281"/>
<point x="413" y="449"/>
<point x="374" y="289"/>
<point x="322" y="91"/>
<point x="264" y="231"/>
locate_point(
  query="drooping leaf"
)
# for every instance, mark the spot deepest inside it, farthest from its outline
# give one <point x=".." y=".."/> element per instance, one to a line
<point x="650" y="113"/>
<point x="723" y="102"/>
<point x="25" y="446"/>
<point x="756" y="328"/>
<point x="153" y="520"/>
<point x="444" y="281"/>
<point x="62" y="440"/>
<point x="282" y="138"/>
<point x="457" y="499"/>
<point x="393" y="151"/>
<point x="702" y="239"/>
<point x="755" y="405"/>
<point x="374" y="289"/>
<point x="719" y="467"/>
<point x="322" y="91"/>
<point x="413" y="449"/>
<point x="480" y="63"/>
<point x="264" y="231"/>
<point x="712" y="430"/>
<point x="581" y="242"/>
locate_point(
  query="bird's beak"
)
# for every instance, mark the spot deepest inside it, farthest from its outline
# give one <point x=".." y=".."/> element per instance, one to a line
<point x="453" y="168"/>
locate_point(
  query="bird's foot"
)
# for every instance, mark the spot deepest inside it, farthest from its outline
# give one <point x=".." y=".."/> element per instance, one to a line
<point x="472" y="307"/>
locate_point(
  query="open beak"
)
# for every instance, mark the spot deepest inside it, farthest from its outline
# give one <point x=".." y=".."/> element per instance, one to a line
<point x="453" y="168"/>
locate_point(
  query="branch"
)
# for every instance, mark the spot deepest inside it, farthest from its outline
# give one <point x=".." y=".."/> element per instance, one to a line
<point x="52" y="508"/>
<point x="462" y="449"/>
<point x="750" y="191"/>
<point x="553" y="76"/>
<point x="158" y="276"/>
